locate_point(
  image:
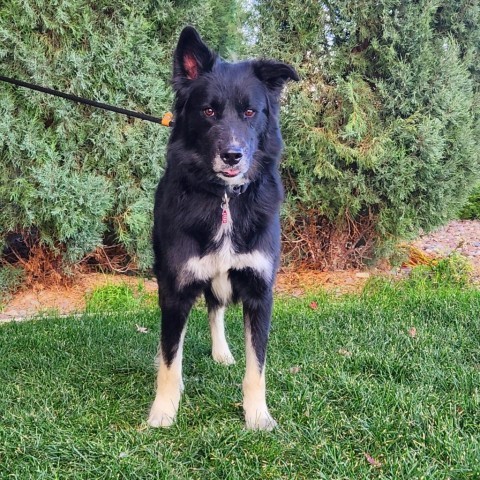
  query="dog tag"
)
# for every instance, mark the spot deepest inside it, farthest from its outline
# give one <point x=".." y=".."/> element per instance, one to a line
<point x="224" y="207"/>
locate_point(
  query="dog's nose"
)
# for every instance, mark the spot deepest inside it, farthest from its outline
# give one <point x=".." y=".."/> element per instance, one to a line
<point x="231" y="156"/>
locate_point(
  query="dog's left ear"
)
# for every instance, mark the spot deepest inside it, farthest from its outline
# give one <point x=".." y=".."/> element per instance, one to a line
<point x="192" y="57"/>
<point x="274" y="74"/>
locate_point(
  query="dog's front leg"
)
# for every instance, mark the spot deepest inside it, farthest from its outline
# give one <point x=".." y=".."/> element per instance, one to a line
<point x="257" y="325"/>
<point x="216" y="311"/>
<point x="169" y="376"/>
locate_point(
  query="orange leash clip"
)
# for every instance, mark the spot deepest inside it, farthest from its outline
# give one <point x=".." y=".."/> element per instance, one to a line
<point x="167" y="119"/>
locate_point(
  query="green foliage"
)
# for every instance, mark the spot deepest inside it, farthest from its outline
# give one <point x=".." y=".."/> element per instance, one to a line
<point x="382" y="134"/>
<point x="120" y="298"/>
<point x="471" y="209"/>
<point x="452" y="271"/>
<point x="11" y="278"/>
<point x="75" y="174"/>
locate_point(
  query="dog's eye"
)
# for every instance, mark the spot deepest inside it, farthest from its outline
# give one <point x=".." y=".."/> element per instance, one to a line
<point x="249" y="113"/>
<point x="209" y="112"/>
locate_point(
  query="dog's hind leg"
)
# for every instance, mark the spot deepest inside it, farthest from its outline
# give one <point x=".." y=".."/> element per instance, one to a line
<point x="257" y="324"/>
<point x="169" y="376"/>
<point x="216" y="311"/>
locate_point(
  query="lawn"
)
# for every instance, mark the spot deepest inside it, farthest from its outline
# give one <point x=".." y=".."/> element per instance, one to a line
<point x="381" y="385"/>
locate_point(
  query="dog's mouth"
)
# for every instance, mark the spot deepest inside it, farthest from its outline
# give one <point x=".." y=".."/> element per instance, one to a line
<point x="231" y="172"/>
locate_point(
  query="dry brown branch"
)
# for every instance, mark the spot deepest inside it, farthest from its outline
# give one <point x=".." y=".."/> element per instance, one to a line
<point x="312" y="241"/>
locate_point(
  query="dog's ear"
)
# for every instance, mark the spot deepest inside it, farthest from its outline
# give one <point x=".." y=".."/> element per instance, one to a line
<point x="274" y="74"/>
<point x="192" y="57"/>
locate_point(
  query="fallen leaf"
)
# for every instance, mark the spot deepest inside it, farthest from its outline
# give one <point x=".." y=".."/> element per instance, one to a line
<point x="295" y="369"/>
<point x="141" y="329"/>
<point x="372" y="461"/>
<point x="313" y="305"/>
<point x="413" y="332"/>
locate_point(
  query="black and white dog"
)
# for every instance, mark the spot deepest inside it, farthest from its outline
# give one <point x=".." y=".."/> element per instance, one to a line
<point x="216" y="227"/>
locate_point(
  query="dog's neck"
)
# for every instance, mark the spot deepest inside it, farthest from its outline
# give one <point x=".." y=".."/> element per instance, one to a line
<point x="236" y="190"/>
<point x="220" y="190"/>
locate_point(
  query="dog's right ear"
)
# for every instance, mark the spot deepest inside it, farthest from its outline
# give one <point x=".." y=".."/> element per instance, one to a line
<point x="274" y="74"/>
<point x="192" y="57"/>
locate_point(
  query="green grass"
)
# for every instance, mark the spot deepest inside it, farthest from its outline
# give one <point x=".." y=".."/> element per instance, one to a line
<point x="75" y="393"/>
<point x="119" y="298"/>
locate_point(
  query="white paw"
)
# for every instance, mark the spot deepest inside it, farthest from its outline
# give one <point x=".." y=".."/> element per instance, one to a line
<point x="162" y="413"/>
<point x="223" y="357"/>
<point x="259" y="419"/>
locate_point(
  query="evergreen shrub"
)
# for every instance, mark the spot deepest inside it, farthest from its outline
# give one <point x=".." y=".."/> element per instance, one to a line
<point x="11" y="279"/>
<point x="382" y="134"/>
<point x="471" y="209"/>
<point x="74" y="178"/>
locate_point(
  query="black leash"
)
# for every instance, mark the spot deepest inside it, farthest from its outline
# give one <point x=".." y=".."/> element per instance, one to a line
<point x="165" y="121"/>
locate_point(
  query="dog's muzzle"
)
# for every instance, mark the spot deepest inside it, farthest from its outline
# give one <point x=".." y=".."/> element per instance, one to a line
<point x="231" y="164"/>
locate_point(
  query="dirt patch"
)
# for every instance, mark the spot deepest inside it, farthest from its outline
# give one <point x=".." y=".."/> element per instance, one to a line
<point x="71" y="299"/>
<point x="65" y="299"/>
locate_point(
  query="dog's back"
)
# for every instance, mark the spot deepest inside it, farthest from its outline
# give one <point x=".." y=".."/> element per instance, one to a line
<point x="216" y="219"/>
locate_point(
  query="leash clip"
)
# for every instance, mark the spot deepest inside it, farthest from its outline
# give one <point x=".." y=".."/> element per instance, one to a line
<point x="224" y="207"/>
<point x="167" y="119"/>
<point x="225" y="201"/>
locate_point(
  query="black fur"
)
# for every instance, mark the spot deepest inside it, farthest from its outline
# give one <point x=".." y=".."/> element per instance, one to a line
<point x="188" y="211"/>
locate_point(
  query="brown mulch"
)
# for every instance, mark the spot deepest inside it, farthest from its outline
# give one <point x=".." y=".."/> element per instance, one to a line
<point x="297" y="283"/>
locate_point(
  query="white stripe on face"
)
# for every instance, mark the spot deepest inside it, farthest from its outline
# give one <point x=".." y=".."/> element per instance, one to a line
<point x="169" y="388"/>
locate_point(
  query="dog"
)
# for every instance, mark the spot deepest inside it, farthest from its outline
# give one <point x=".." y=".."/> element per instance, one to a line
<point x="216" y="216"/>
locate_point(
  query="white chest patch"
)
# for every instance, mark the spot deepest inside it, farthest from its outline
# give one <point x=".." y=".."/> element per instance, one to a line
<point x="215" y="266"/>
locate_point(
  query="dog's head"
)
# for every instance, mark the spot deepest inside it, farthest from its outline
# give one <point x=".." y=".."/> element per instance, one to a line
<point x="225" y="111"/>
